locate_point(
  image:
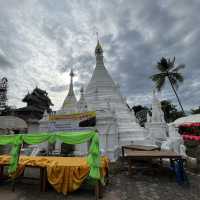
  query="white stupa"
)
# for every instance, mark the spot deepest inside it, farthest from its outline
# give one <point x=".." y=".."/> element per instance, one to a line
<point x="156" y="125"/>
<point x="82" y="104"/>
<point x="157" y="113"/>
<point x="70" y="103"/>
<point x="69" y="106"/>
<point x="115" y="121"/>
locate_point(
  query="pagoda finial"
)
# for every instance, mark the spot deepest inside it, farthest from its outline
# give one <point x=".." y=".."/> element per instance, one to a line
<point x="98" y="49"/>
<point x="71" y="73"/>
<point x="71" y="90"/>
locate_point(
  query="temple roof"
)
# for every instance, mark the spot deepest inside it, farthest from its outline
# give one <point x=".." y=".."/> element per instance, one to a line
<point x="36" y="96"/>
<point x="30" y="108"/>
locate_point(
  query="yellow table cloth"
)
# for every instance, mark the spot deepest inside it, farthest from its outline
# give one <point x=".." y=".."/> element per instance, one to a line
<point x="65" y="174"/>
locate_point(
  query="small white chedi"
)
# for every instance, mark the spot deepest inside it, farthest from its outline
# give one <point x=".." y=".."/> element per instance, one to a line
<point x="164" y="135"/>
<point x="156" y="125"/>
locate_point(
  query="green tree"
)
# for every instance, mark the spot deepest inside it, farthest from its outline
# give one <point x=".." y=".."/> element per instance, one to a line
<point x="138" y="108"/>
<point x="168" y="70"/>
<point x="141" y="113"/>
<point x="170" y="111"/>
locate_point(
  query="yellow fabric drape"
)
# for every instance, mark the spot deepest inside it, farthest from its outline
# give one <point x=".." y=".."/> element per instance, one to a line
<point x="65" y="174"/>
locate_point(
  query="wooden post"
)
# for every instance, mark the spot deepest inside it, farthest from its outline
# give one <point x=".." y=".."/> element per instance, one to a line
<point x="123" y="152"/>
<point x="43" y="179"/>
<point x="98" y="190"/>
<point x="130" y="167"/>
<point x="1" y="170"/>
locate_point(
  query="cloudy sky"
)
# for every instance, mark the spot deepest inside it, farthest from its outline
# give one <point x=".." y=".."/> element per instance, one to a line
<point x="40" y="40"/>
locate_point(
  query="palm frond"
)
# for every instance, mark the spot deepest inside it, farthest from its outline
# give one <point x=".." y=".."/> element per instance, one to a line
<point x="159" y="80"/>
<point x="160" y="84"/>
<point x="162" y="65"/>
<point x="176" y="69"/>
<point x="171" y="63"/>
<point x="155" y="77"/>
<point x="177" y="76"/>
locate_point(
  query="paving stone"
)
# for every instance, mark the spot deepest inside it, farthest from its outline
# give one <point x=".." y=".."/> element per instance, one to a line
<point x="140" y="186"/>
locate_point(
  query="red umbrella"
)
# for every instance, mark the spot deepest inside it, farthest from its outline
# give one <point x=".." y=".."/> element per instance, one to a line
<point x="189" y="125"/>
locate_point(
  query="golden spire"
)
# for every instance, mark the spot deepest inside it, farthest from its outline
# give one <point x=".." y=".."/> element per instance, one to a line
<point x="98" y="49"/>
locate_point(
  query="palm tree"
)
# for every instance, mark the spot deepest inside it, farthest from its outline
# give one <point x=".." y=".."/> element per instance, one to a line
<point x="168" y="70"/>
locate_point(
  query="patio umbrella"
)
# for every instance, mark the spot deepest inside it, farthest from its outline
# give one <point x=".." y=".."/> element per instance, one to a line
<point x="189" y="120"/>
<point x="12" y="123"/>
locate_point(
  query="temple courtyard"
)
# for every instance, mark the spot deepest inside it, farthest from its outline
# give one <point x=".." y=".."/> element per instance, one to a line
<point x="142" y="185"/>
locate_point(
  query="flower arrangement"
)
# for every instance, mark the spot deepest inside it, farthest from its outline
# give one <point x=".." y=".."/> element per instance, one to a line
<point x="191" y="136"/>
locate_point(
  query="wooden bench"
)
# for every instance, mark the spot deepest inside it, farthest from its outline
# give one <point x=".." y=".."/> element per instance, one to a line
<point x="42" y="179"/>
<point x="175" y="160"/>
<point x="139" y="148"/>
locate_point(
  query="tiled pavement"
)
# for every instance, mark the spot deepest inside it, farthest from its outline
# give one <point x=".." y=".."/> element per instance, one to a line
<point x="140" y="186"/>
<point x="154" y="187"/>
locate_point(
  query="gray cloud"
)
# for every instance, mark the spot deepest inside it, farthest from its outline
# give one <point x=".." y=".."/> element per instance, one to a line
<point x="4" y="62"/>
<point x="42" y="40"/>
<point x="58" y="88"/>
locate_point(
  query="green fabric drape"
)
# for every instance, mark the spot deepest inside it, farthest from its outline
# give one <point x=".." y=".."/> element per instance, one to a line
<point x="66" y="137"/>
<point x="7" y="139"/>
<point x="36" y="138"/>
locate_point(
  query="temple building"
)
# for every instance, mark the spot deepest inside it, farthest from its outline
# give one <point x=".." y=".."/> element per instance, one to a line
<point x="103" y="107"/>
<point x="102" y="101"/>
<point x="115" y="121"/>
<point x="37" y="102"/>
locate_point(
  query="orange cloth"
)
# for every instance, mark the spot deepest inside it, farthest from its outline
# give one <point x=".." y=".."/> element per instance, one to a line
<point x="65" y="174"/>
